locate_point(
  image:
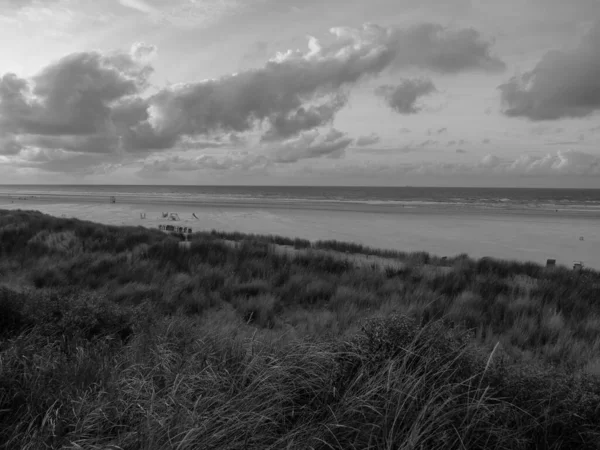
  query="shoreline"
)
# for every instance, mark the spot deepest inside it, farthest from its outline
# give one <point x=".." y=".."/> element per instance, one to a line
<point x="510" y="235"/>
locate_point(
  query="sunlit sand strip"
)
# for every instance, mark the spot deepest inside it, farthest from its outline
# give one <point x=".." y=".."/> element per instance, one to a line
<point x="532" y="237"/>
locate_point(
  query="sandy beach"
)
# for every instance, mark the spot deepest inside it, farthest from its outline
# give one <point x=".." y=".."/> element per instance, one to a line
<point x="522" y="235"/>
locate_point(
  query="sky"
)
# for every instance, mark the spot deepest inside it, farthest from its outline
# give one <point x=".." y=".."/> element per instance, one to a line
<point x="301" y="92"/>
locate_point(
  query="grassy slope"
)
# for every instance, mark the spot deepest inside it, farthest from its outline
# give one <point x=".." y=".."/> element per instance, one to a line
<point x="117" y="336"/>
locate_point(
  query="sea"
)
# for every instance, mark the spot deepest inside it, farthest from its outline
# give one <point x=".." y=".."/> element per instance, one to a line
<point x="486" y="198"/>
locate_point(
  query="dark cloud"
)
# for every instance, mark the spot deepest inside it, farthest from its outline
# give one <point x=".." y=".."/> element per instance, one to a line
<point x="371" y="139"/>
<point x="285" y="125"/>
<point x="563" y="84"/>
<point x="427" y="143"/>
<point x="9" y="146"/>
<point x="541" y="130"/>
<point x="434" y="47"/>
<point x="460" y="150"/>
<point x="312" y="144"/>
<point x="437" y="132"/>
<point x="485" y="141"/>
<point x="73" y="96"/>
<point x="403" y="97"/>
<point x="451" y="143"/>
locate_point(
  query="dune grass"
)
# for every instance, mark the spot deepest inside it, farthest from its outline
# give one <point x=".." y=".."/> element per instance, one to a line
<point x="116" y="337"/>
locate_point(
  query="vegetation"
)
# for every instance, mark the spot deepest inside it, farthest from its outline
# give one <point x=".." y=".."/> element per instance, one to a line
<point x="118" y="338"/>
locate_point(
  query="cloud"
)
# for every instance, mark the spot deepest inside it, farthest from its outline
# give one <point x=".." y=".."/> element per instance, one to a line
<point x="371" y="139"/>
<point x="486" y="141"/>
<point x="564" y="83"/>
<point x="65" y="161"/>
<point x="561" y="163"/>
<point x="74" y="96"/>
<point x="541" y="130"/>
<point x="93" y="103"/>
<point x="289" y="124"/>
<point x="312" y="144"/>
<point x="239" y="161"/>
<point x="427" y="143"/>
<point x="437" y="132"/>
<point x="403" y="97"/>
<point x="278" y="93"/>
<point x="9" y="146"/>
<point x="18" y="4"/>
<point x="460" y="150"/>
<point x="570" y="162"/>
<point x="141" y="51"/>
<point x="490" y="161"/>
<point x="140" y="5"/>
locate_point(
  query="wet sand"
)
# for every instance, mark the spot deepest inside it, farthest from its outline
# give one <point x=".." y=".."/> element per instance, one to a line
<point x="524" y="234"/>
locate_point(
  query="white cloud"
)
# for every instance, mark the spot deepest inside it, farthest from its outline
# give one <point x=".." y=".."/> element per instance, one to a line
<point x="140" y="5"/>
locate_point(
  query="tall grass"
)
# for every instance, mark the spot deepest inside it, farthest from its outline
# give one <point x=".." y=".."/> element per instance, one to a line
<point x="115" y="337"/>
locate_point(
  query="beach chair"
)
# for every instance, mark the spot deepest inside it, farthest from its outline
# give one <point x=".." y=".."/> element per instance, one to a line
<point x="577" y="265"/>
<point x="550" y="263"/>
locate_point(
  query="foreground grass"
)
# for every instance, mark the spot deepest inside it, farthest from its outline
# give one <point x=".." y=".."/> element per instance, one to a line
<point x="117" y="338"/>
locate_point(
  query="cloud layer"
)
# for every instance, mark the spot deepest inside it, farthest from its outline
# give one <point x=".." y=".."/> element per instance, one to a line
<point x="564" y="83"/>
<point x="90" y="103"/>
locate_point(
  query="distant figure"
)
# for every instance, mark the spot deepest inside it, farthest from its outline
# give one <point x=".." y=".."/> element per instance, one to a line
<point x="142" y="215"/>
<point x="195" y="216"/>
<point x="113" y="199"/>
<point x="581" y="238"/>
